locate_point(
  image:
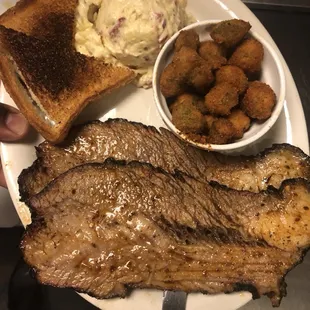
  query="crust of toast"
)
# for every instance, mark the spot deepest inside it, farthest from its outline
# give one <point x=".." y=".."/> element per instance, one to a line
<point x="27" y="15"/>
<point x="60" y="94"/>
<point x="20" y="96"/>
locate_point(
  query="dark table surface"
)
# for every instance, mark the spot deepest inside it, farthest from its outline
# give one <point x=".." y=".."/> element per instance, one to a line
<point x="290" y="28"/>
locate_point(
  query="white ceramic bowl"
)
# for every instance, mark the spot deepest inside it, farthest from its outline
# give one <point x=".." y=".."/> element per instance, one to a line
<point x="272" y="74"/>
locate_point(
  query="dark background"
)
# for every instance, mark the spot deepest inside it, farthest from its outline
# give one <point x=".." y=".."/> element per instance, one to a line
<point x="290" y="29"/>
<point x="289" y="26"/>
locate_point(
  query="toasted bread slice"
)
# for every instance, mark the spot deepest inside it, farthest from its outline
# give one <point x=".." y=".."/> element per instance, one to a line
<point x="47" y="78"/>
<point x="30" y="16"/>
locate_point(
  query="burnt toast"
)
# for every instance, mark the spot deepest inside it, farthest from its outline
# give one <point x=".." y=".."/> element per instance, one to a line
<point x="47" y="78"/>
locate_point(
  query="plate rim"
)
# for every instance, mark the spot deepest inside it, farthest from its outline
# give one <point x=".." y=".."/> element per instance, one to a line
<point x="236" y="9"/>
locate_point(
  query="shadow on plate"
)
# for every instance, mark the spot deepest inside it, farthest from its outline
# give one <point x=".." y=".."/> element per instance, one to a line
<point x="95" y="110"/>
<point x="25" y="293"/>
<point x="100" y="108"/>
<point x="31" y="138"/>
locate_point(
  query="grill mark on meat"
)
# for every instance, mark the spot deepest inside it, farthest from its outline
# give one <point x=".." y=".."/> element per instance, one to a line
<point x="124" y="140"/>
<point x="155" y="230"/>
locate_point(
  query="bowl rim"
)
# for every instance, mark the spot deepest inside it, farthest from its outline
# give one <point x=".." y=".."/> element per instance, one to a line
<point x="230" y="146"/>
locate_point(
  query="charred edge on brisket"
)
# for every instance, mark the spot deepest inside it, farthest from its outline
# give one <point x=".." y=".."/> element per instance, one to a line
<point x="101" y="228"/>
<point x="92" y="142"/>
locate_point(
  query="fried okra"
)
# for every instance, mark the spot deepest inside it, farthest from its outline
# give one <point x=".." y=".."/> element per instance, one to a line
<point x="259" y="101"/>
<point x="210" y="47"/>
<point x="186" y="117"/>
<point x="188" y="38"/>
<point x="209" y="120"/>
<point x="230" y="32"/>
<point x="200" y="79"/>
<point x="172" y="82"/>
<point x="202" y="85"/>
<point x="221" y="99"/>
<point x="197" y="101"/>
<point x="248" y="56"/>
<point x="187" y="70"/>
<point x="213" y="53"/>
<point x="240" y="121"/>
<point x="174" y="76"/>
<point x="222" y="131"/>
<point x="232" y="75"/>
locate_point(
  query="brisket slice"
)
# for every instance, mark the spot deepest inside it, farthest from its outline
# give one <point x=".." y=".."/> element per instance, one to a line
<point x="129" y="141"/>
<point x="103" y="228"/>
